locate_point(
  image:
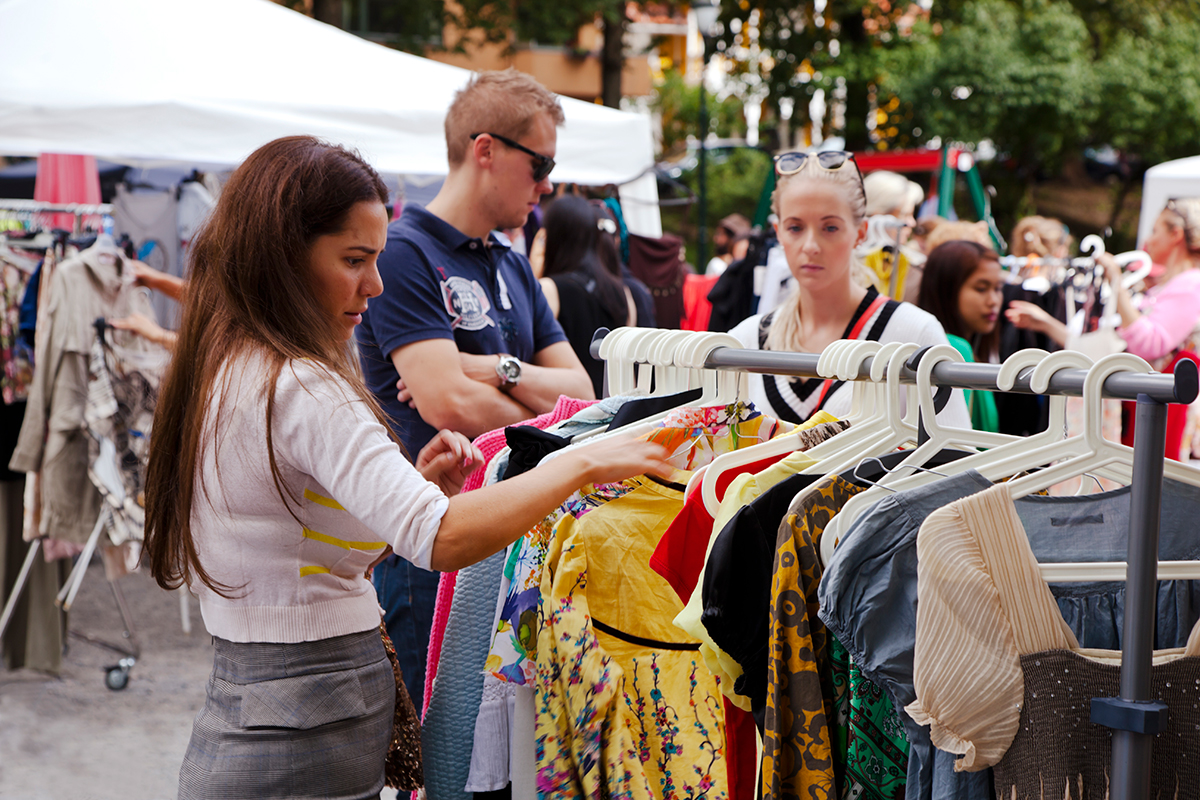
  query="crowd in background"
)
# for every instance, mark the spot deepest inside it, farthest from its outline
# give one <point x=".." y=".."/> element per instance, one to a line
<point x="948" y="267"/>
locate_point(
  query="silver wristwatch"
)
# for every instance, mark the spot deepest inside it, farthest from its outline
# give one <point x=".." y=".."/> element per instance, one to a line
<point x="509" y="370"/>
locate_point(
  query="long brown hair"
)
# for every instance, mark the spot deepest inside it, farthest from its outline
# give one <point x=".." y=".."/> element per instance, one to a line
<point x="949" y="266"/>
<point x="249" y="292"/>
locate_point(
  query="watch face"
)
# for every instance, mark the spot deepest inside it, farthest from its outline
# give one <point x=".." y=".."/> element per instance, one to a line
<point x="511" y="369"/>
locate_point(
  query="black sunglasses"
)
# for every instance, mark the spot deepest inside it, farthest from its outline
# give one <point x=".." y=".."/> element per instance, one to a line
<point x="829" y="160"/>
<point x="542" y="166"/>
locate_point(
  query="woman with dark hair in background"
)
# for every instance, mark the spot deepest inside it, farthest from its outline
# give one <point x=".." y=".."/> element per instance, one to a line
<point x="608" y="247"/>
<point x="274" y="485"/>
<point x="583" y="294"/>
<point x="962" y="287"/>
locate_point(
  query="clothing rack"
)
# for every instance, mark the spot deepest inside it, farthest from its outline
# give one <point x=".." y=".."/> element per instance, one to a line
<point x="1135" y="717"/>
<point x="79" y="210"/>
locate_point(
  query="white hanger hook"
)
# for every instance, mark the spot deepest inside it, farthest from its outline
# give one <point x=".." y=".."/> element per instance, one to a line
<point x="1012" y="366"/>
<point x="925" y="388"/>
<point x="1039" y="382"/>
<point x="882" y="359"/>
<point x="850" y="364"/>
<point x="1093" y="413"/>
<point x="1092" y="245"/>
<point x="894" y="370"/>
<point x="828" y="360"/>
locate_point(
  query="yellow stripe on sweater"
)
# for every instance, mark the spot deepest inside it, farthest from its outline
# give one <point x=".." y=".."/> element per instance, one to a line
<point x="309" y="494"/>
<point x="305" y="571"/>
<point x="344" y="543"/>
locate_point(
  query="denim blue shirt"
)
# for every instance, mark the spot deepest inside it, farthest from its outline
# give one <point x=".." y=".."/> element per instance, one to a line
<point x="868" y="593"/>
<point x="439" y="283"/>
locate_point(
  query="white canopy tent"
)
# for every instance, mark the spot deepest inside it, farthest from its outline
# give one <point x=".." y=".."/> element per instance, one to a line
<point x="147" y="82"/>
<point x="1180" y="178"/>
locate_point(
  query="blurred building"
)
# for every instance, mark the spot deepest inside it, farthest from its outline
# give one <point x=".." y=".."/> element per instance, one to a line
<point x="655" y="35"/>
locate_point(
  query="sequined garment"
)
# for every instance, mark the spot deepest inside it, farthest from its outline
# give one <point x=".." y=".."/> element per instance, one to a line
<point x="402" y="770"/>
<point x="1059" y="753"/>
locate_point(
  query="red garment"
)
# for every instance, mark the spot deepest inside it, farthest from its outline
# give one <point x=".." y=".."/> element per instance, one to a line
<point x="67" y="179"/>
<point x="490" y="444"/>
<point x="741" y="752"/>
<point x="680" y="554"/>
<point x="696" y="307"/>
<point x="679" y="558"/>
<point x="1176" y="415"/>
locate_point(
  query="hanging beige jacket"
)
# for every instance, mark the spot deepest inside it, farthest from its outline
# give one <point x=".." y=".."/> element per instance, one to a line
<point x="53" y="440"/>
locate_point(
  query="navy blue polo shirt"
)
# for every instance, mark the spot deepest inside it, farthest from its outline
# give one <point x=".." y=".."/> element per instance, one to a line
<point x="439" y="283"/>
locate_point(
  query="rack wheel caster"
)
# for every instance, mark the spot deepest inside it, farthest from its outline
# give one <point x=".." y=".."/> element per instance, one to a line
<point x="116" y="677"/>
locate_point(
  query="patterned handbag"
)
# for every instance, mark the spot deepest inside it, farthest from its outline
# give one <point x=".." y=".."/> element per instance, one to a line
<point x="402" y="770"/>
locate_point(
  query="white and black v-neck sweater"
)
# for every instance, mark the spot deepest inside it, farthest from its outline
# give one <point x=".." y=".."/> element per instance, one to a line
<point x="797" y="399"/>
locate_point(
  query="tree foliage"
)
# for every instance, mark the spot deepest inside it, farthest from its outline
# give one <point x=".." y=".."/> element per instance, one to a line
<point x="1022" y="78"/>
<point x="678" y="106"/>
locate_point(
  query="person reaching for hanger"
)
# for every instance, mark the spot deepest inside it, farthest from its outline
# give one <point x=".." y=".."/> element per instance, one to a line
<point x="142" y="325"/>
<point x="821" y="209"/>
<point x="1165" y="321"/>
<point x="274" y="485"/>
<point x="1167" y="317"/>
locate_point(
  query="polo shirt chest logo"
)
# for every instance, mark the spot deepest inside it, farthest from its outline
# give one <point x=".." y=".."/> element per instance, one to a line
<point x="467" y="304"/>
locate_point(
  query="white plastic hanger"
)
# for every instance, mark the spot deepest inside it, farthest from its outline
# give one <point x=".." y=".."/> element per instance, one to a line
<point x="838" y="354"/>
<point x="1134" y="277"/>
<point x="940" y="437"/>
<point x="614" y="366"/>
<point x="668" y="378"/>
<point x="1105" y="452"/>
<point x="1019" y="455"/>
<point x="877" y="436"/>
<point x="1100" y="452"/>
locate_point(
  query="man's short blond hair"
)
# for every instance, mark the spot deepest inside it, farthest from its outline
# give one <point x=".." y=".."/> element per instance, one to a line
<point x="501" y="102"/>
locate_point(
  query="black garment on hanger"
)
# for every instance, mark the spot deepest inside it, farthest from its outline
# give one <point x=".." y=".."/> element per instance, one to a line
<point x="646" y="407"/>
<point x="1025" y="414"/>
<point x="736" y="590"/>
<point x="528" y="446"/>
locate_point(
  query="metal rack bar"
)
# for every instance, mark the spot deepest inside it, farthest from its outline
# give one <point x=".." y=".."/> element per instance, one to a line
<point x="1134" y="717"/>
<point x="38" y="206"/>
<point x="1182" y="387"/>
<point x="79" y="210"/>
<point x="1131" y="749"/>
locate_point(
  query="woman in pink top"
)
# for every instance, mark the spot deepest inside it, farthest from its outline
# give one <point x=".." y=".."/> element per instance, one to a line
<point x="1169" y="312"/>
<point x="1163" y="323"/>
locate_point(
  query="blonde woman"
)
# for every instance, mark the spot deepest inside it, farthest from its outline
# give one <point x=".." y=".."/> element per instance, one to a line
<point x="821" y="209"/>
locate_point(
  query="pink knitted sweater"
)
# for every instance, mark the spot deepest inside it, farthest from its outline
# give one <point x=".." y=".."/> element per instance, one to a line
<point x="490" y="444"/>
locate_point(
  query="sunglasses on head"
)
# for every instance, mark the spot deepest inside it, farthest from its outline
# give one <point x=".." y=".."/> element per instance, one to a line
<point x="829" y="160"/>
<point x="542" y="164"/>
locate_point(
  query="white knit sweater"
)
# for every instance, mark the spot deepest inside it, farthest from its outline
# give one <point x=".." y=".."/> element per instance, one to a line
<point x="301" y="578"/>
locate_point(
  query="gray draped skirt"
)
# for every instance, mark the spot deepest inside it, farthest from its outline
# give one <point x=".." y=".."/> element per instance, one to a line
<point x="305" y="720"/>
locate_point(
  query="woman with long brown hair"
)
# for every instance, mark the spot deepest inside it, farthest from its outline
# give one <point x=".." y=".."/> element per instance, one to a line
<point x="274" y="484"/>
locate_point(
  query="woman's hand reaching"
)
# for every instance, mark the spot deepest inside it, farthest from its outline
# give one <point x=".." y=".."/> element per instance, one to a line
<point x="146" y="328"/>
<point x="620" y="458"/>
<point x="1029" y="316"/>
<point x="447" y="461"/>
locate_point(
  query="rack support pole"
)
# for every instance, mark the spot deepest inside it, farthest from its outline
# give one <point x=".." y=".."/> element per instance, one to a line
<point x="1131" y="749"/>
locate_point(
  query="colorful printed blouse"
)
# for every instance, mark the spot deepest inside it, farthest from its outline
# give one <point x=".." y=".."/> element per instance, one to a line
<point x="625" y="705"/>
<point x="696" y="436"/>
<point x="830" y="732"/>
<point x="16" y="357"/>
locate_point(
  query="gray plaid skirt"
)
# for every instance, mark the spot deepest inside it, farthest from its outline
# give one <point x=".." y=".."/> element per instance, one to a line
<point x="311" y="720"/>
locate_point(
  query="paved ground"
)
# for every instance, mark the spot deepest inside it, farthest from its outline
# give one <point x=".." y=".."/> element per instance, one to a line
<point x="70" y="738"/>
